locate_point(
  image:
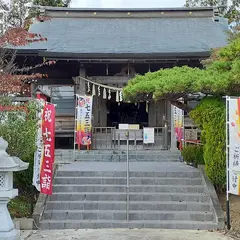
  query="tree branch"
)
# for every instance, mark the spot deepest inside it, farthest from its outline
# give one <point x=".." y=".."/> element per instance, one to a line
<point x="181" y="105"/>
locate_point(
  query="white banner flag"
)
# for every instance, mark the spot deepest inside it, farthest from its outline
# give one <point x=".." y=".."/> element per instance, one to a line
<point x="234" y="145"/>
<point x="38" y="155"/>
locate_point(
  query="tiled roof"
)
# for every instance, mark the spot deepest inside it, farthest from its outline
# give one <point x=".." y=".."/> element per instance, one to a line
<point x="151" y="35"/>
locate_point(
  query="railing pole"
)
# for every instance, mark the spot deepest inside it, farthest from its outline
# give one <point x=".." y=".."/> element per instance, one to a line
<point x="106" y="139"/>
<point x="114" y="141"/>
<point x="111" y="137"/>
<point x="127" y="135"/>
<point x="166" y="136"/>
<point x="118" y="141"/>
<point x="135" y="140"/>
<point x="95" y="138"/>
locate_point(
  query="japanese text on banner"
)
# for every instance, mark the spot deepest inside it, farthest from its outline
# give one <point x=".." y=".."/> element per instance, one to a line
<point x="178" y="122"/>
<point x="234" y="146"/>
<point x="48" y="134"/>
<point x="84" y="120"/>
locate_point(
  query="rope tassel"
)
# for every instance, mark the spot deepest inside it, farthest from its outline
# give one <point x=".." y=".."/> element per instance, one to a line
<point x="104" y="93"/>
<point x="88" y="87"/>
<point x="99" y="91"/>
<point x="93" y="90"/>
<point x="120" y="96"/>
<point x="117" y="96"/>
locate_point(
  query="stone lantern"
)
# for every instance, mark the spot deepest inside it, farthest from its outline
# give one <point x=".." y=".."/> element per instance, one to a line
<point x="8" y="165"/>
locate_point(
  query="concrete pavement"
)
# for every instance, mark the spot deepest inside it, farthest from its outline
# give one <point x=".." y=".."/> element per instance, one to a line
<point x="122" y="234"/>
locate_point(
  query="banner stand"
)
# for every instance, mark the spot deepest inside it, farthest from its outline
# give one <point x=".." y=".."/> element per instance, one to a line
<point x="232" y="151"/>
<point x="45" y="153"/>
<point x="75" y="130"/>
<point x="83" y="123"/>
<point x="227" y="166"/>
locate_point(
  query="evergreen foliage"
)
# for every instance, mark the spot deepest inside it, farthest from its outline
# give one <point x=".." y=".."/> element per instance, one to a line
<point x="19" y="129"/>
<point x="193" y="154"/>
<point x="221" y="76"/>
<point x="209" y="115"/>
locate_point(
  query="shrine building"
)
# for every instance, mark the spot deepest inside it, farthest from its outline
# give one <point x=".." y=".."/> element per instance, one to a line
<point x="97" y="51"/>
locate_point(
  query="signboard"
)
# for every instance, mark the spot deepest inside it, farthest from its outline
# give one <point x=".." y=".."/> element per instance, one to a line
<point x="84" y="120"/>
<point x="233" y="142"/>
<point x="123" y="126"/>
<point x="178" y="117"/>
<point x="133" y="126"/>
<point x="148" y="135"/>
<point x="44" y="156"/>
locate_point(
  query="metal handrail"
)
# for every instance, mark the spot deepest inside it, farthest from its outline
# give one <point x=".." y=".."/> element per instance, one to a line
<point x="197" y="142"/>
<point x="127" y="135"/>
<point x="114" y="138"/>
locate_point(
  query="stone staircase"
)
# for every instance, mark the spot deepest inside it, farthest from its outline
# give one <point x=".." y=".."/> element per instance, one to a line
<point x="68" y="156"/>
<point x="166" y="194"/>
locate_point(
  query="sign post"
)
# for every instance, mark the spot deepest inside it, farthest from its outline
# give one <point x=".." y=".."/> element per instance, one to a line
<point x="232" y="150"/>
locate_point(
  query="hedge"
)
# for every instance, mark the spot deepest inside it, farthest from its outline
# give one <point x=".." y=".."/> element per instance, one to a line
<point x="209" y="115"/>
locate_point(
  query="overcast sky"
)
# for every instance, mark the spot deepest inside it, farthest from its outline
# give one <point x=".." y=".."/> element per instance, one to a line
<point x="127" y="3"/>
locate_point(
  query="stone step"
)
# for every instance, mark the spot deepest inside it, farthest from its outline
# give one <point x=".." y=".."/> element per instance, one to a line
<point x="179" y="174"/>
<point x="121" y="188"/>
<point x="107" y="205"/>
<point x="116" y="156"/>
<point x="65" y="152"/>
<point x="140" y="196"/>
<point x="110" y="159"/>
<point x="122" y="215"/>
<point x="123" y="157"/>
<point x="123" y="181"/>
<point x="167" y="224"/>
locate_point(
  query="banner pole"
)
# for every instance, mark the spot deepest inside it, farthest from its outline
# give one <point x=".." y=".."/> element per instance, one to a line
<point x="227" y="166"/>
<point x="75" y="129"/>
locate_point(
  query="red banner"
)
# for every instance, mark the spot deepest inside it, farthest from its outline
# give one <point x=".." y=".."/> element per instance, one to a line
<point x="48" y="134"/>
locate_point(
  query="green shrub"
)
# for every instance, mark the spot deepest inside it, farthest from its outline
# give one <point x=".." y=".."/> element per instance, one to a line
<point x="193" y="154"/>
<point x="20" y="207"/>
<point x="19" y="130"/>
<point x="209" y="115"/>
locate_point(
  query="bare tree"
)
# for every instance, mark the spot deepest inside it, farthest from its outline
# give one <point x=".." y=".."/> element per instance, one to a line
<point x="228" y="9"/>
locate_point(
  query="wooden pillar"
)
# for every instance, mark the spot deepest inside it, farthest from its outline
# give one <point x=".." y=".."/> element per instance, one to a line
<point x="99" y="111"/>
<point x="81" y="86"/>
<point x="151" y="114"/>
<point x="156" y="111"/>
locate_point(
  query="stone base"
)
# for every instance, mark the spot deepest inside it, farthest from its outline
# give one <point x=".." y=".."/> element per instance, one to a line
<point x="11" y="235"/>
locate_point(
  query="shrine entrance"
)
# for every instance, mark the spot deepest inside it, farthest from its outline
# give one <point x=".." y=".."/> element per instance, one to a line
<point x="127" y="113"/>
